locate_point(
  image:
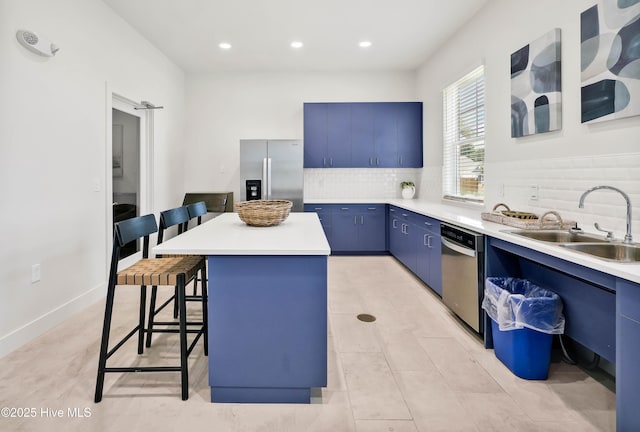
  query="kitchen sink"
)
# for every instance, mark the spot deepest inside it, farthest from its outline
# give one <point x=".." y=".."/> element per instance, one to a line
<point x="559" y="236"/>
<point x="617" y="252"/>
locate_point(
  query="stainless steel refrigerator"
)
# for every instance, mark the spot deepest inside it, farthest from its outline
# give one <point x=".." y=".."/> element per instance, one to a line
<point x="272" y="169"/>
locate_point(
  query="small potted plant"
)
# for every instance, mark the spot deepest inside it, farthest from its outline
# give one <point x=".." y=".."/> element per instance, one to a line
<point x="408" y="189"/>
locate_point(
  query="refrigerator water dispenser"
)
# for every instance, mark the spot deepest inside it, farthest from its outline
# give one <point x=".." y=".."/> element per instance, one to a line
<point x="253" y="189"/>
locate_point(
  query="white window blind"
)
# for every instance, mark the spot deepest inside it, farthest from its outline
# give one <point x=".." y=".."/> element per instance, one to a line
<point x="463" y="146"/>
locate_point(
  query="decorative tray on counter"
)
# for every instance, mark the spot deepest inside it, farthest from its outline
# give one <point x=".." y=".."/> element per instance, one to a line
<point x="527" y="220"/>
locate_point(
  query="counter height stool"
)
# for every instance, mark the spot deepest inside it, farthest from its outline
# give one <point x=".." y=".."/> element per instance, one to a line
<point x="176" y="217"/>
<point x="174" y="271"/>
<point x="197" y="210"/>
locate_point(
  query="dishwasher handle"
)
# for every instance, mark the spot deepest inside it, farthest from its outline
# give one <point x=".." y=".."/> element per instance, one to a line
<point x="457" y="248"/>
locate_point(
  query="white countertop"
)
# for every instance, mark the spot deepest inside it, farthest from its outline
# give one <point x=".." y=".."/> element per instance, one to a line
<point x="471" y="219"/>
<point x="299" y="234"/>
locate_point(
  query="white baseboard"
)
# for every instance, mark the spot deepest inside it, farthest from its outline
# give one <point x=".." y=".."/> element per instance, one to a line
<point x="14" y="340"/>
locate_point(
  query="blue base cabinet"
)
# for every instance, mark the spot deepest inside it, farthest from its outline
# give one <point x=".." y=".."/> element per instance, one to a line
<point x="414" y="240"/>
<point x="353" y="228"/>
<point x="363" y="135"/>
<point x="267" y="328"/>
<point x="627" y="356"/>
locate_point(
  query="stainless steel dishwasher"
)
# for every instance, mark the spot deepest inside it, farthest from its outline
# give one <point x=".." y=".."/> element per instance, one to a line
<point x="463" y="273"/>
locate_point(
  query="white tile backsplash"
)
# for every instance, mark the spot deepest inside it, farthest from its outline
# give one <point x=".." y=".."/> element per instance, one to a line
<point x="357" y="182"/>
<point x="561" y="181"/>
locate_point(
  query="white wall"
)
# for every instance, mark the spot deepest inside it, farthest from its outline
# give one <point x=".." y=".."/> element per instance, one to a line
<point x="562" y="163"/>
<point x="53" y="123"/>
<point x="224" y="108"/>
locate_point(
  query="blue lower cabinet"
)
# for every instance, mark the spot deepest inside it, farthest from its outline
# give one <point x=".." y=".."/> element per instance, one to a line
<point x="353" y="228"/>
<point x="414" y="240"/>
<point x="429" y="259"/>
<point x="267" y="328"/>
<point x="627" y="356"/>
<point x="325" y="215"/>
<point x="345" y="234"/>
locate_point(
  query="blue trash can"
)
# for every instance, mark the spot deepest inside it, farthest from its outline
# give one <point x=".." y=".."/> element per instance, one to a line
<point x="524" y="318"/>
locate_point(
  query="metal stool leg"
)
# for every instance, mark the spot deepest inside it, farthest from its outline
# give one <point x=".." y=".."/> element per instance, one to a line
<point x="205" y="310"/>
<point x="143" y="307"/>
<point x="104" y="344"/>
<point x="183" y="336"/>
<point x="152" y="314"/>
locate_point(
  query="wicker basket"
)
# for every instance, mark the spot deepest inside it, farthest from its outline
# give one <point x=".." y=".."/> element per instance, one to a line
<point x="263" y="212"/>
<point x="526" y="220"/>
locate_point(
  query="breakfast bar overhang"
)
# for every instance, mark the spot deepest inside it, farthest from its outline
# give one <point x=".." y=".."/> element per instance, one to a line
<point x="267" y="306"/>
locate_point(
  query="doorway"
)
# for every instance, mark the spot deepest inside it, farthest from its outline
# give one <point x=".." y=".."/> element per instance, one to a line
<point x="125" y="171"/>
<point x="129" y="167"/>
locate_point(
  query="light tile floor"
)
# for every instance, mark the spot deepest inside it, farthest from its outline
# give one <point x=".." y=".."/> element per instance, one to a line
<point x="417" y="368"/>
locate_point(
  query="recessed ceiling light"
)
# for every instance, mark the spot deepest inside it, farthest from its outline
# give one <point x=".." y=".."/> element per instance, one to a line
<point x="296" y="44"/>
<point x="364" y="44"/>
<point x="225" y="45"/>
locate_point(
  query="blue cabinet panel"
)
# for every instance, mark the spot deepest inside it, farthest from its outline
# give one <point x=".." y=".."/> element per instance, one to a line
<point x="325" y="215"/>
<point x="362" y="151"/>
<point x="371" y="233"/>
<point x="353" y="228"/>
<point x="315" y="135"/>
<point x="338" y="136"/>
<point x="345" y="229"/>
<point x="628" y="356"/>
<point x="409" y="135"/>
<point x="267" y="327"/>
<point x="363" y="134"/>
<point x="414" y="240"/>
<point x="385" y="134"/>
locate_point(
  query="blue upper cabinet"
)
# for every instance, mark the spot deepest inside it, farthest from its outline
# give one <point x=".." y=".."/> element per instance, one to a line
<point x="385" y="134"/>
<point x="338" y="136"/>
<point x="363" y="135"/>
<point x="315" y="135"/>
<point x="409" y="134"/>
<point x="362" y="151"/>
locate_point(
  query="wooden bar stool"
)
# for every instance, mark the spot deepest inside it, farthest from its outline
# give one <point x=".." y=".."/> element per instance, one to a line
<point x="175" y="272"/>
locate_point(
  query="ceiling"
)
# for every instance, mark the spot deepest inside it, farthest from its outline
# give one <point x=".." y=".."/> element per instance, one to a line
<point x="403" y="33"/>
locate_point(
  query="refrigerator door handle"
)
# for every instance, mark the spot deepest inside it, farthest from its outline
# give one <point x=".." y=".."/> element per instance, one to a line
<point x="268" y="178"/>
<point x="265" y="179"/>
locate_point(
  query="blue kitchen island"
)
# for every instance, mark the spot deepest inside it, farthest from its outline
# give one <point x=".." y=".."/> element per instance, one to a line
<point x="267" y="306"/>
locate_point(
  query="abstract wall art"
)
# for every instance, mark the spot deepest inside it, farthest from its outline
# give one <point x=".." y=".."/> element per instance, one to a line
<point x="610" y="60"/>
<point x="536" y="96"/>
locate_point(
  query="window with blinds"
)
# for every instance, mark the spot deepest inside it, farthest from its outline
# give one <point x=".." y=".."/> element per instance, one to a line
<point x="463" y="146"/>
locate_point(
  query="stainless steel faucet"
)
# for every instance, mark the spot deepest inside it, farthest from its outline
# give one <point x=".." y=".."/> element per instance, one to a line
<point x="627" y="237"/>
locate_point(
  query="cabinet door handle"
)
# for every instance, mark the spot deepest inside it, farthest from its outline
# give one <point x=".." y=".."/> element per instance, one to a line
<point x="372" y="208"/>
<point x="425" y="240"/>
<point x="361" y="220"/>
<point x="400" y="160"/>
<point x="392" y="210"/>
<point x="370" y="161"/>
<point x="324" y="161"/>
<point x="427" y="224"/>
<point x="318" y="208"/>
<point x="393" y="223"/>
<point x="355" y="220"/>
<point x="377" y="162"/>
<point x="330" y="161"/>
<point x="429" y="242"/>
<point x="344" y="208"/>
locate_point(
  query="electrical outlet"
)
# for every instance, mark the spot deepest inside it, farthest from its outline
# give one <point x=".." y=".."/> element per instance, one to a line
<point x="533" y="192"/>
<point x="35" y="273"/>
